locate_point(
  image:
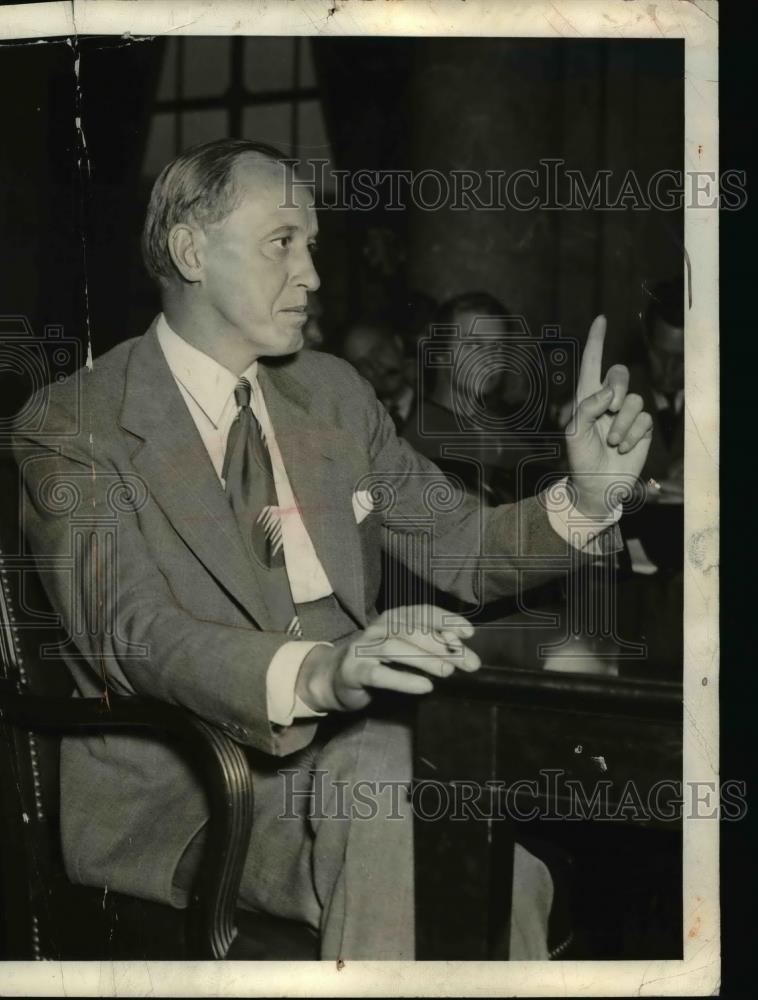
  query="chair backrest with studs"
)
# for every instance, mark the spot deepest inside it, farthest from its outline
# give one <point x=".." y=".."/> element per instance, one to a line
<point x="29" y="761"/>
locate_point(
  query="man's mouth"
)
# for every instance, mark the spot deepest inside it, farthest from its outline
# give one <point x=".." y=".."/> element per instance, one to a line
<point x="298" y="314"/>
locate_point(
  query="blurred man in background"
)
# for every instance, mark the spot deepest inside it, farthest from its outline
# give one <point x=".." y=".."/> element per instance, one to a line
<point x="473" y="404"/>
<point x="376" y="352"/>
<point x="659" y="379"/>
<point x="654" y="533"/>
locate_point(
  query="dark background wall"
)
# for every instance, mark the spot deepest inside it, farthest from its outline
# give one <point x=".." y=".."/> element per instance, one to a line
<point x="70" y="213"/>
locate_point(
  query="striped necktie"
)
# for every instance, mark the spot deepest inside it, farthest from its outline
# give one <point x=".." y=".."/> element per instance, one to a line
<point x="249" y="484"/>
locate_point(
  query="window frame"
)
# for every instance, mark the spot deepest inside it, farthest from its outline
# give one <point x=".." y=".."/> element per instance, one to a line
<point x="237" y="96"/>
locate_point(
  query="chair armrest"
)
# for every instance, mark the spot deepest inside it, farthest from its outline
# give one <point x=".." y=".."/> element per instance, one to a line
<point x="220" y="763"/>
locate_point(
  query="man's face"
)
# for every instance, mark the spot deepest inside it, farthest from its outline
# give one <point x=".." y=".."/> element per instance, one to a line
<point x="379" y="360"/>
<point x="665" y="351"/>
<point x="476" y="332"/>
<point x="257" y="262"/>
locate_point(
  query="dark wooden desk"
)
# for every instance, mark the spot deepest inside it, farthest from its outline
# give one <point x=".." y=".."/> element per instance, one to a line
<point x="612" y="725"/>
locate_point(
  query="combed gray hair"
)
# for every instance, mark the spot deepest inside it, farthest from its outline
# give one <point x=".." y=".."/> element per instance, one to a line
<point x="197" y="187"/>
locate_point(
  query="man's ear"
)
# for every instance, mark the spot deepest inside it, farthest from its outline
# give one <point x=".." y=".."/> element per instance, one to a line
<point x="183" y="245"/>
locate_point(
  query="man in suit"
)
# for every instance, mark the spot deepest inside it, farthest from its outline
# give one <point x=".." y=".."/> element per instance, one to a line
<point x="473" y="328"/>
<point x="659" y="379"/>
<point x="254" y="485"/>
<point x="656" y="531"/>
<point x="376" y="352"/>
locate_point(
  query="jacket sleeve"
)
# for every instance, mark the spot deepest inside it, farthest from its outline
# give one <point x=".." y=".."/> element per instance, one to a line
<point x="447" y="537"/>
<point x="131" y="634"/>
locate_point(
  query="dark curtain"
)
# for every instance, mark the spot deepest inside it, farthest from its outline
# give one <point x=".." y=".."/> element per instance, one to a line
<point x="363" y="84"/>
<point x="118" y="83"/>
<point x="69" y="171"/>
<point x="508" y="104"/>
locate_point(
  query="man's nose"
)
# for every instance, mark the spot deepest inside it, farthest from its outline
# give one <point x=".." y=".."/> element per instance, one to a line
<point x="305" y="274"/>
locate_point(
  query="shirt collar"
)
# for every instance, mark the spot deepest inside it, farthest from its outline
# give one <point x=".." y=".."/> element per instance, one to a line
<point x="207" y="382"/>
<point x="662" y="402"/>
<point x="404" y="402"/>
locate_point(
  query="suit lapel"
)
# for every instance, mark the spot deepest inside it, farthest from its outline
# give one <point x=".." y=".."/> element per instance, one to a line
<point x="181" y="478"/>
<point x="319" y="473"/>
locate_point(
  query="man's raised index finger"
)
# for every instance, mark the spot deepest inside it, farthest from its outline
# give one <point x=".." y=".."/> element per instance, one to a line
<point x="591" y="369"/>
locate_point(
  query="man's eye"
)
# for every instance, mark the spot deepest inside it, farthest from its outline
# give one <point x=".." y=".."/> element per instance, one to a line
<point x="282" y="241"/>
<point x="313" y="248"/>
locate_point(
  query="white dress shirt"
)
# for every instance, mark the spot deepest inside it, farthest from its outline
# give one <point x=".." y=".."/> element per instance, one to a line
<point x="208" y="390"/>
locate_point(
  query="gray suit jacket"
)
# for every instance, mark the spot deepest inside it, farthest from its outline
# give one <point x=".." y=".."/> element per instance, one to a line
<point x="160" y="600"/>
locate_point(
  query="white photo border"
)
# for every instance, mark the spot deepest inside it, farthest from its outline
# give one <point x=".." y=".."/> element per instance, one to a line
<point x="699" y="971"/>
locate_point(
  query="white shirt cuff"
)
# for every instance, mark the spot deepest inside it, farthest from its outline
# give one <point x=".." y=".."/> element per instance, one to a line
<point x="579" y="530"/>
<point x="282" y="704"/>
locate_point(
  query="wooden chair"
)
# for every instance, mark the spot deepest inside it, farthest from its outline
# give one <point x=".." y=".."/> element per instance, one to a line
<point x="42" y="914"/>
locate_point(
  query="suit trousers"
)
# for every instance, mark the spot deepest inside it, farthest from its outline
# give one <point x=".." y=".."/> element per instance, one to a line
<point x="332" y="846"/>
<point x="332" y="838"/>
